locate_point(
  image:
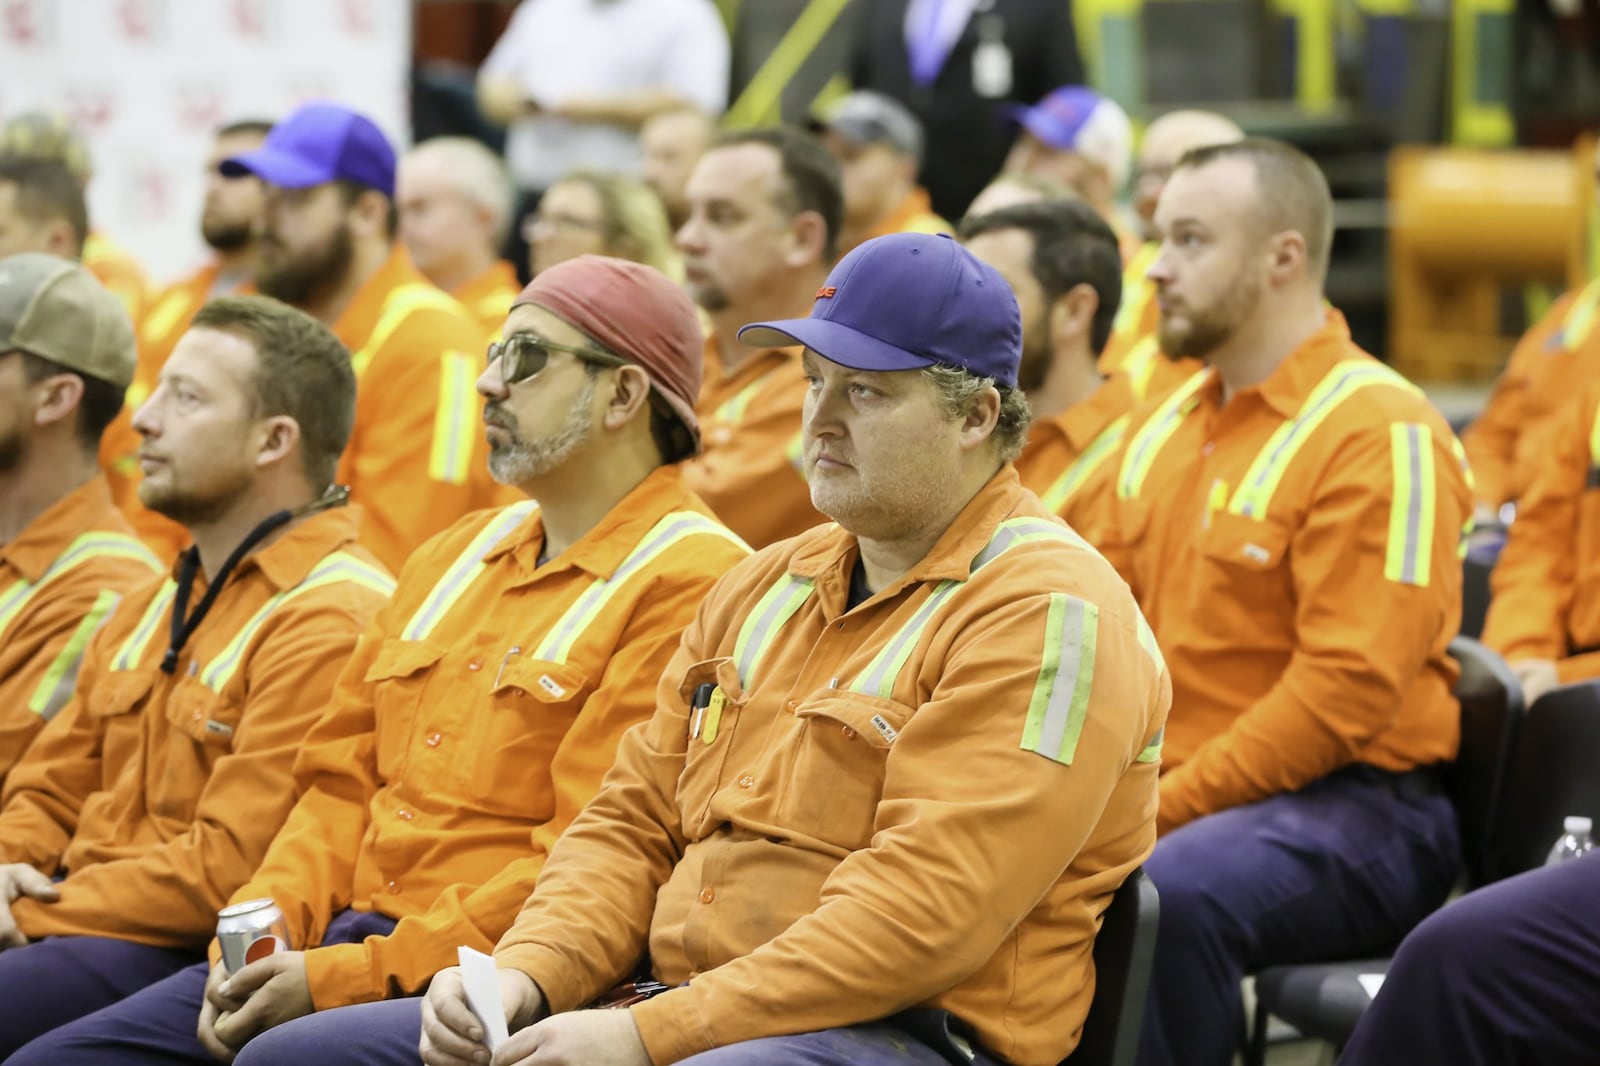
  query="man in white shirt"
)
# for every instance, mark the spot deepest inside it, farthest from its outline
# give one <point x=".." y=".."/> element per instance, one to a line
<point x="575" y="79"/>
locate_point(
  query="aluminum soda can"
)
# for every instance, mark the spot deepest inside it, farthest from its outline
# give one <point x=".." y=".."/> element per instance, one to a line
<point x="249" y="931"/>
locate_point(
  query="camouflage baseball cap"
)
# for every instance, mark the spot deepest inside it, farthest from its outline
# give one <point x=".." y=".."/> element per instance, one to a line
<point x="57" y="310"/>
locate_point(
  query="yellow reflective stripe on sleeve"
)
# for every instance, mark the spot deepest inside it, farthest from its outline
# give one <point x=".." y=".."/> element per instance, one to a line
<point x="87" y="546"/>
<point x="455" y="425"/>
<point x="59" y="680"/>
<point x="1255" y="490"/>
<point x="171" y="309"/>
<point x="1139" y="366"/>
<point x="675" y="527"/>
<point x="133" y="648"/>
<point x="1152" y="750"/>
<point x="1409" y="557"/>
<point x="1147" y="640"/>
<point x="337" y="569"/>
<point x="1060" y="702"/>
<point x="1098" y="451"/>
<point x="1147" y="443"/>
<point x="883" y="672"/>
<point x="732" y="409"/>
<point x="1579" y="320"/>
<point x="1137" y="289"/>
<point x="770" y="614"/>
<point x="1460" y="452"/>
<point x="397" y="307"/>
<point x="464" y="571"/>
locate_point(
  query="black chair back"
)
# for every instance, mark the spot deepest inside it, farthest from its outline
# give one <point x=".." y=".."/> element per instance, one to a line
<point x="1491" y="711"/>
<point x="1554" y="772"/>
<point x="1475" y="595"/>
<point x="1124" y="955"/>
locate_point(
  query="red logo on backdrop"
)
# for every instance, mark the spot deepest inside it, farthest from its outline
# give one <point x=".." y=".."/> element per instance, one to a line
<point x="90" y="110"/>
<point x="827" y="292"/>
<point x="153" y="191"/>
<point x="200" y="108"/>
<point x="20" y="19"/>
<point x="137" y="19"/>
<point x="358" y="17"/>
<point x="249" y="19"/>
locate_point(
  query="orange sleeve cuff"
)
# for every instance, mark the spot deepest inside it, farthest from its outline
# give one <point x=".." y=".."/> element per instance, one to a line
<point x="672" y="1026"/>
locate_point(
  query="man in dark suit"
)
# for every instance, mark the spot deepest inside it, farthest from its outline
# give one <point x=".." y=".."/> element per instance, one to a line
<point x="957" y="64"/>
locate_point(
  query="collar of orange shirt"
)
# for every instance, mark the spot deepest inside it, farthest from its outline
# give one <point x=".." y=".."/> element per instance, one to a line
<point x="718" y="383"/>
<point x="1286" y="388"/>
<point x="602" y="549"/>
<point x="288" y="560"/>
<point x="359" y="319"/>
<point x="830" y="549"/>
<point x="916" y="204"/>
<point x="1085" y="420"/>
<point x="47" y="536"/>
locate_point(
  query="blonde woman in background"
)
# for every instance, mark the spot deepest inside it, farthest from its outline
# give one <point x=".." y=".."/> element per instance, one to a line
<point x="600" y="214"/>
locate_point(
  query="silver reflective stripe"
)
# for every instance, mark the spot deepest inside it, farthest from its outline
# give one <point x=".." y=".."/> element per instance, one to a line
<point x="466" y="568"/>
<point x="771" y="613"/>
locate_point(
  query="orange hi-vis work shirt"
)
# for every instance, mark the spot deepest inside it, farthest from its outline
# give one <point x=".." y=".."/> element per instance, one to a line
<point x="418" y="459"/>
<point x="1546" y="602"/>
<point x="157" y="794"/>
<point x="928" y="798"/>
<point x="749" y="466"/>
<point x="1067" y="460"/>
<point x="913" y="214"/>
<point x="1510" y="441"/>
<point x="164" y="324"/>
<point x="119" y="272"/>
<point x="476" y="718"/>
<point x="60" y="580"/>
<point x="1297" y="551"/>
<point x="488" y="297"/>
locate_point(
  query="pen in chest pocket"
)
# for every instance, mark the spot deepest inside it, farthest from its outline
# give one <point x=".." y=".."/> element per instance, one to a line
<point x="516" y="649"/>
<point x="705" y="712"/>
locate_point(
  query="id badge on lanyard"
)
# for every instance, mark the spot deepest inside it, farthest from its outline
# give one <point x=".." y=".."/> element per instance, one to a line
<point x="991" y="59"/>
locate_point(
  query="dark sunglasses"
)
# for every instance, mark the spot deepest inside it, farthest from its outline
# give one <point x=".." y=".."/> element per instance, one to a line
<point x="522" y="355"/>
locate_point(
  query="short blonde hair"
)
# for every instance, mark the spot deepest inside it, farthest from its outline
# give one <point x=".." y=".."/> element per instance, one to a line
<point x="633" y="221"/>
<point x="956" y="387"/>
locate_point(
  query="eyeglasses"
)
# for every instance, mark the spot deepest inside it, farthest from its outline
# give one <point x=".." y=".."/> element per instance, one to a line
<point x="557" y="221"/>
<point x="522" y="355"/>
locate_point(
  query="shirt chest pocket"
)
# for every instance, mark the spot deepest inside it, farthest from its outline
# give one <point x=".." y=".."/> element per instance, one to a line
<point x="398" y="675"/>
<point x="531" y="707"/>
<point x="115" y="705"/>
<point x="840" y="759"/>
<point x="200" y="731"/>
<point x="709" y="732"/>
<point x="1247" y="583"/>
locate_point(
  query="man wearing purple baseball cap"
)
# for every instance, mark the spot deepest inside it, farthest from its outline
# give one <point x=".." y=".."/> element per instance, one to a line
<point x="898" y="764"/>
<point x="416" y="462"/>
<point x="1080" y="139"/>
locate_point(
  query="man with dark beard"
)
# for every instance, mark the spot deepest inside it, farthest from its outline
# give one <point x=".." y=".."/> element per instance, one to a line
<point x="155" y="792"/>
<point x="1061" y="260"/>
<point x="485" y="704"/>
<point x="228" y="224"/>
<point x="67" y="557"/>
<point x="416" y="460"/>
<point x="1289" y="521"/>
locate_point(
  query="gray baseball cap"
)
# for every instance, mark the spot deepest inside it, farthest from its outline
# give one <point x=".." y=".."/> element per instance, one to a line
<point x="57" y="310"/>
<point x="872" y="118"/>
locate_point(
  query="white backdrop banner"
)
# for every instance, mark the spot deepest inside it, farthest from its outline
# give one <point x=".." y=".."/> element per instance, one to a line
<point x="147" y="81"/>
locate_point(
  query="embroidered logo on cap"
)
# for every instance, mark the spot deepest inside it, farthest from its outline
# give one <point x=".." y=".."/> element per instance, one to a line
<point x="827" y="292"/>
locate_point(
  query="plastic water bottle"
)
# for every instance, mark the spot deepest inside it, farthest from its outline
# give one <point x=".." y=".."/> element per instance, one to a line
<point x="1575" y="840"/>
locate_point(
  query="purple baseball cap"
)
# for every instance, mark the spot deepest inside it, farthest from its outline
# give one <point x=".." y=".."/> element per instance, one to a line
<point x="1077" y="119"/>
<point x="905" y="302"/>
<point x="320" y="143"/>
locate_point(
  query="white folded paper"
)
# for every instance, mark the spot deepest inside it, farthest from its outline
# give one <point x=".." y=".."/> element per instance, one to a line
<point x="482" y="982"/>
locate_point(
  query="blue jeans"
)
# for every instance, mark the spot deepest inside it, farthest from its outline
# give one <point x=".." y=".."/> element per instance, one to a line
<point x="54" y="981"/>
<point x="1344" y="867"/>
<point x="157" y="1025"/>
<point x="387" y="1034"/>
<point x="1509" y="973"/>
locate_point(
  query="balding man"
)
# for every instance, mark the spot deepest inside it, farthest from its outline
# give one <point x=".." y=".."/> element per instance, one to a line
<point x="1288" y="519"/>
<point x="670" y="144"/>
<point x="455" y="200"/>
<point x="1133" y="349"/>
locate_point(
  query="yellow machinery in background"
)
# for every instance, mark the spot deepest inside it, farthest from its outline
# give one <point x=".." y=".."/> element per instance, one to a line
<point x="1465" y="226"/>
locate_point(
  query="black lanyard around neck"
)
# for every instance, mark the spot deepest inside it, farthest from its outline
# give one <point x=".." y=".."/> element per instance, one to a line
<point x="183" y="623"/>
